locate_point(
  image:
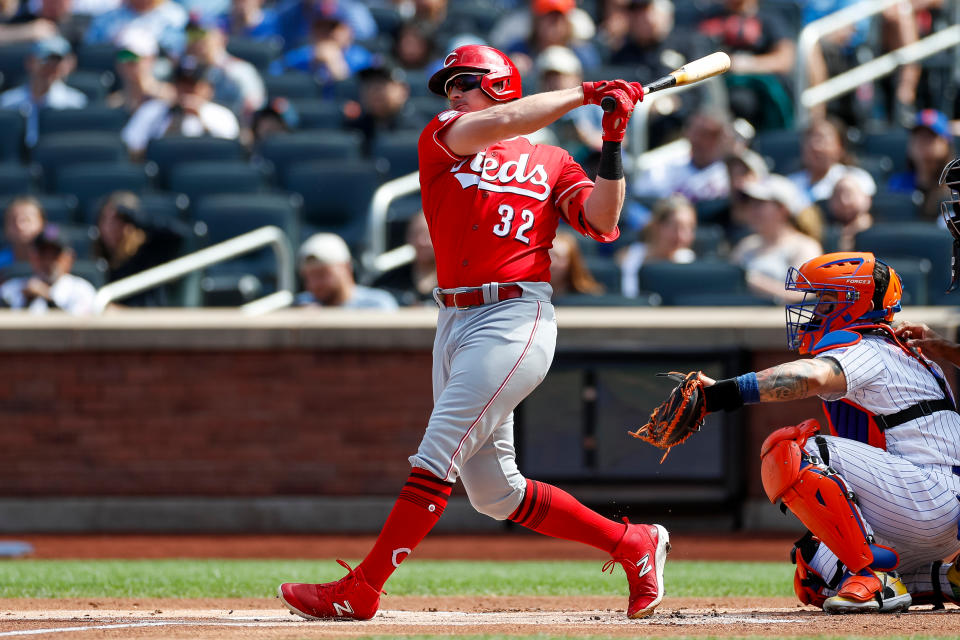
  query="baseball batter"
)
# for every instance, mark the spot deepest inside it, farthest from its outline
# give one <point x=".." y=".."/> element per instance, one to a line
<point x="880" y="493"/>
<point x="493" y="201"/>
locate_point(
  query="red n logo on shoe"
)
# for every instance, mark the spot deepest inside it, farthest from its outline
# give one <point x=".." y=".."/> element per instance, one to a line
<point x="642" y="565"/>
<point x="343" y="609"/>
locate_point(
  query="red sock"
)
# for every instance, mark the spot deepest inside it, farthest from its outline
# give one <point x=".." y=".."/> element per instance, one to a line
<point x="555" y="513"/>
<point x="419" y="506"/>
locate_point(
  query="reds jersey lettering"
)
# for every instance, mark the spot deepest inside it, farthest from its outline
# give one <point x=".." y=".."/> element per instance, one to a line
<point x="493" y="215"/>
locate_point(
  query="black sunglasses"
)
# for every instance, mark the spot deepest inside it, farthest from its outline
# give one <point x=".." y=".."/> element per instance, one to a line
<point x="463" y="82"/>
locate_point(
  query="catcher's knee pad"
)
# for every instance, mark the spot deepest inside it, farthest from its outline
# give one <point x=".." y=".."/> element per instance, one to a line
<point x="819" y="498"/>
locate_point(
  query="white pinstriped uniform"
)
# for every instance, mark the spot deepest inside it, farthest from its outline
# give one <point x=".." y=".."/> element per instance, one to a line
<point x="909" y="494"/>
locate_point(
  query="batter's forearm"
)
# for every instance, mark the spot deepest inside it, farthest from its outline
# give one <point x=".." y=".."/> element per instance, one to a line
<point x="602" y="207"/>
<point x="800" y="379"/>
<point x="475" y="131"/>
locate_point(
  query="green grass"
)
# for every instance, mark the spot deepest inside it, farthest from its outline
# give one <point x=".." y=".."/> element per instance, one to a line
<point x="259" y="578"/>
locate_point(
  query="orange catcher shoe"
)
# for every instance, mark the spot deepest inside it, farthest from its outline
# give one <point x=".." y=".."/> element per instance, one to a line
<point x="642" y="551"/>
<point x="350" y="597"/>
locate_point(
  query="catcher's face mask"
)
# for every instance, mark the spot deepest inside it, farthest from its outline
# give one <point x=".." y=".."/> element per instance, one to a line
<point x="950" y="210"/>
<point x="838" y="291"/>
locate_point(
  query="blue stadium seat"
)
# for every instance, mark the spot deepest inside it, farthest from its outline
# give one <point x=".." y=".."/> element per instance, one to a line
<point x="917" y="240"/>
<point x="894" y="207"/>
<point x="285" y="150"/>
<point x="12" y="58"/>
<point x="17" y="178"/>
<point x="58" y="150"/>
<point x="97" y="57"/>
<point x="915" y="276"/>
<point x="199" y="179"/>
<point x="165" y="204"/>
<point x="259" y="52"/>
<point x="782" y="148"/>
<point x="95" y="118"/>
<point x="672" y="280"/>
<point x="336" y="195"/>
<point x="291" y="84"/>
<point x="11" y="136"/>
<point x="891" y="143"/>
<point x="605" y="271"/>
<point x="93" y="84"/>
<point x="318" y="113"/>
<point x="399" y="149"/>
<point x="89" y="182"/>
<point x="167" y="152"/>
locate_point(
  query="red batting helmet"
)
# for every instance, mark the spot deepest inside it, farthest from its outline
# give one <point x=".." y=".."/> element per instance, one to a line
<point x="477" y="58"/>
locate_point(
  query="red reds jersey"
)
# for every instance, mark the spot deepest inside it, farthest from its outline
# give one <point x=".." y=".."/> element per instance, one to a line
<point x="493" y="216"/>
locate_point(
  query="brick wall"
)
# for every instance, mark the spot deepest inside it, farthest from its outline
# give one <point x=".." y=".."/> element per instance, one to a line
<point x="245" y="423"/>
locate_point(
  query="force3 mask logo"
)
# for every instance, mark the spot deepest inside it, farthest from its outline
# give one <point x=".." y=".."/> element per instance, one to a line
<point x="512" y="176"/>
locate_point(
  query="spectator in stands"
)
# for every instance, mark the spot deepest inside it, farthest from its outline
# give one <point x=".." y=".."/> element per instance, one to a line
<point x="131" y="241"/>
<point x="383" y="96"/>
<point x="296" y="17"/>
<point x="277" y="116"/>
<point x="49" y="62"/>
<point x="23" y="221"/>
<point x="578" y="131"/>
<point x="517" y="26"/>
<point x="743" y="166"/>
<point x="701" y="174"/>
<point x="50" y="285"/>
<point x="551" y="25"/>
<point x="414" y="46"/>
<point x="613" y="24"/>
<point x="251" y="19"/>
<point x="929" y="148"/>
<point x="668" y="237"/>
<point x="236" y="83"/>
<point x="326" y="269"/>
<point x="850" y="211"/>
<point x="569" y="274"/>
<point x="191" y="114"/>
<point x="136" y="56"/>
<point x="413" y="283"/>
<point x="762" y="52"/>
<point x="776" y="243"/>
<point x="654" y="47"/>
<point x="825" y="160"/>
<point x="331" y="55"/>
<point x="165" y="19"/>
<point x="42" y="20"/>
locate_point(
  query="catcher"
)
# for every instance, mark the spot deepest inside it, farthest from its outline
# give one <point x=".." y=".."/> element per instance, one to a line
<point x="879" y="494"/>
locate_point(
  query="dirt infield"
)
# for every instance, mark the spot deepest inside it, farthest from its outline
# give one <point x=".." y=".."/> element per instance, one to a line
<point x="228" y="619"/>
<point x="455" y="616"/>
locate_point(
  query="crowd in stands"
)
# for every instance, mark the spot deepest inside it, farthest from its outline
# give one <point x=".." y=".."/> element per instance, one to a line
<point x="136" y="131"/>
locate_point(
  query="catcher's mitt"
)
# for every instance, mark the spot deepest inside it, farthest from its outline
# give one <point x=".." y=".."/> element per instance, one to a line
<point x="677" y="417"/>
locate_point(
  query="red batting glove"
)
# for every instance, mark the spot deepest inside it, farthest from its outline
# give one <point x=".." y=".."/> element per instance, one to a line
<point x="615" y="122"/>
<point x="594" y="92"/>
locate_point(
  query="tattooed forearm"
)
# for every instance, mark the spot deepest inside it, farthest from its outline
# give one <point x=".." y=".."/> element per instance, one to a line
<point x="798" y="379"/>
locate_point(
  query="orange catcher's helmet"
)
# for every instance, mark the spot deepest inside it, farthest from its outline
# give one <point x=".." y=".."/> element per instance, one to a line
<point x="840" y="290"/>
<point x="493" y="65"/>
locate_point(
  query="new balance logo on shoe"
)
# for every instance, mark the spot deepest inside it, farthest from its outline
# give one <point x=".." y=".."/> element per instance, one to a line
<point x="643" y="565"/>
<point x="343" y="609"/>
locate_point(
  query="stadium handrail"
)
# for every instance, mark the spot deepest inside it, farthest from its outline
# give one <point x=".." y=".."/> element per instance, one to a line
<point x="220" y="252"/>
<point x="377" y="217"/>
<point x="849" y="80"/>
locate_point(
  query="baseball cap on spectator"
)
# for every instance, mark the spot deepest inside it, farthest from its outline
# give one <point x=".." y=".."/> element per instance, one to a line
<point x="136" y="42"/>
<point x="935" y="121"/>
<point x="541" y="7"/>
<point x="776" y="188"/>
<point x="199" y="25"/>
<point x="559" y="59"/>
<point x="325" y="248"/>
<point x="50" y="238"/>
<point x="57" y="46"/>
<point x="751" y="160"/>
<point x="329" y="11"/>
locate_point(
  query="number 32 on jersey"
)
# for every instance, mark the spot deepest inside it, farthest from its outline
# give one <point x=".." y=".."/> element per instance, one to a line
<point x="506" y="223"/>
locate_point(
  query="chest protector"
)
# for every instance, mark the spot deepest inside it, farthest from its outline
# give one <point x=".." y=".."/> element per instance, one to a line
<point x="847" y="419"/>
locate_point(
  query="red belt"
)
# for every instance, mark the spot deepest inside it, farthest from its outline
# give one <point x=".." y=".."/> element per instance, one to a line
<point x="474" y="297"/>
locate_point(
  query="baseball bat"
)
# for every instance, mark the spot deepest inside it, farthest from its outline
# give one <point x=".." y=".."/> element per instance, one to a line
<point x="694" y="71"/>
